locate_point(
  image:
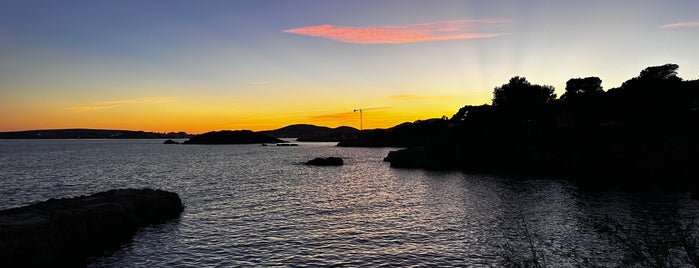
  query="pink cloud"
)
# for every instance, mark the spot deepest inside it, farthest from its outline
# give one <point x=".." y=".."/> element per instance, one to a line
<point x="429" y="31"/>
<point x="685" y="24"/>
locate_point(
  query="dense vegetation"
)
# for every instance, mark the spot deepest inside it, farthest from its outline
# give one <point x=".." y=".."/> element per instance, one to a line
<point x="647" y="128"/>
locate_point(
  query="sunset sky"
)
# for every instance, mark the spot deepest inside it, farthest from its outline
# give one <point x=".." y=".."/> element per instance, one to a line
<point x="202" y="65"/>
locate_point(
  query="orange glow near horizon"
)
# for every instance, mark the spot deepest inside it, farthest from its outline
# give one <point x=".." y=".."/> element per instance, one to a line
<point x="196" y="121"/>
<point x="374" y="120"/>
<point x="198" y="114"/>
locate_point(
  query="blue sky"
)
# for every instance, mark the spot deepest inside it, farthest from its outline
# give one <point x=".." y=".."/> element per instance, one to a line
<point x="206" y="65"/>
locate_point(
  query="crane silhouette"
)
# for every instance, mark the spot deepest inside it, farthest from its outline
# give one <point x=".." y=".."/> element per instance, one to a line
<point x="361" y="111"/>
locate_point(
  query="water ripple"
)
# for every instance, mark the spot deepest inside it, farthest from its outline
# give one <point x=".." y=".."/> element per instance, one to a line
<point x="251" y="206"/>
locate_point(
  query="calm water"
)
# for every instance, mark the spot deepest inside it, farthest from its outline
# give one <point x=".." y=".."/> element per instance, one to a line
<point x="249" y="205"/>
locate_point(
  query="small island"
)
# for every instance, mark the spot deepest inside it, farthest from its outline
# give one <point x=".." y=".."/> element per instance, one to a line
<point x="232" y="137"/>
<point x="328" y="161"/>
<point x="306" y="132"/>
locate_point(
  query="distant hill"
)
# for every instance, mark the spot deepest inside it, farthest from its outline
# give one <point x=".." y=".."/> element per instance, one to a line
<point x="232" y="137"/>
<point x="305" y="132"/>
<point x="90" y="134"/>
<point x="418" y="133"/>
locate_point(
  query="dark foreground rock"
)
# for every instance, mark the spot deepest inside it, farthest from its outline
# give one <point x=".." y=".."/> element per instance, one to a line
<point x="63" y="232"/>
<point x="329" y="161"/>
<point x="427" y="158"/>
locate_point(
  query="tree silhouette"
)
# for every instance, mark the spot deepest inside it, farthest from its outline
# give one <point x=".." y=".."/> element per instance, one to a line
<point x="471" y="113"/>
<point x="583" y="101"/>
<point x="663" y="72"/>
<point x="519" y="94"/>
<point x="522" y="107"/>
<point x="655" y="97"/>
<point x="582" y="86"/>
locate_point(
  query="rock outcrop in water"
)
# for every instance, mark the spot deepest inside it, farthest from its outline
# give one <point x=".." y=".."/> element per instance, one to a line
<point x="63" y="232"/>
<point x="329" y="161"/>
<point x="232" y="137"/>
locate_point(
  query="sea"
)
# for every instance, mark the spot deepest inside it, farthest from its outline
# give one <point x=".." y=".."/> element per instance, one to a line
<point x="260" y="206"/>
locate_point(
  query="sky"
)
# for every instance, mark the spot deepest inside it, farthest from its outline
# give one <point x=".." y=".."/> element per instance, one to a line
<point x="199" y="66"/>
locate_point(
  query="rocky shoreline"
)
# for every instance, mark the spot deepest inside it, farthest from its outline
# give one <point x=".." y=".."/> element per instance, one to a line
<point x="64" y="232"/>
